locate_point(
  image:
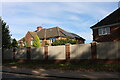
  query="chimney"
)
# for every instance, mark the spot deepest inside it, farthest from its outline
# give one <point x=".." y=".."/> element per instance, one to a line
<point x="39" y="28"/>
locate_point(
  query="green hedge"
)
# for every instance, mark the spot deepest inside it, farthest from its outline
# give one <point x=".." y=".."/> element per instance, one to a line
<point x="63" y="42"/>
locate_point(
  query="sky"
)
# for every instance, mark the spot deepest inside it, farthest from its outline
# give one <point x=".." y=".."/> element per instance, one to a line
<point x="75" y="17"/>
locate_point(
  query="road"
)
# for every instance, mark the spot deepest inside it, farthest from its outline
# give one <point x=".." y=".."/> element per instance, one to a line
<point x="13" y="76"/>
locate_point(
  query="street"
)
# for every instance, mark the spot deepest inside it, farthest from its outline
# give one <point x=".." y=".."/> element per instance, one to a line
<point x="13" y="76"/>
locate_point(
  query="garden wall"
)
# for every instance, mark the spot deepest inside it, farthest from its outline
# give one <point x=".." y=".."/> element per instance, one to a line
<point x="37" y="53"/>
<point x="91" y="51"/>
<point x="80" y="51"/>
<point x="108" y="50"/>
<point x="56" y="52"/>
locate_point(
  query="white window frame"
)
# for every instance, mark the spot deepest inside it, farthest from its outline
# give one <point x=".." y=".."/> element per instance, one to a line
<point x="104" y="31"/>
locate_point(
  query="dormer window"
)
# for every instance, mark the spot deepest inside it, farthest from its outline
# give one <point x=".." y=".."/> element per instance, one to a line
<point x="104" y="31"/>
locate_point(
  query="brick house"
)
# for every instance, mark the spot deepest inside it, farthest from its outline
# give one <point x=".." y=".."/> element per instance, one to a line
<point x="108" y="29"/>
<point x="49" y="35"/>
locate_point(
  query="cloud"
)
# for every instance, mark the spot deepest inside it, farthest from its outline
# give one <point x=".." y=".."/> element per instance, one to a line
<point x="73" y="17"/>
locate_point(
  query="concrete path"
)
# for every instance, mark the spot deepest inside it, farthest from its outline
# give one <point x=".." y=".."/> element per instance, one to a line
<point x="64" y="74"/>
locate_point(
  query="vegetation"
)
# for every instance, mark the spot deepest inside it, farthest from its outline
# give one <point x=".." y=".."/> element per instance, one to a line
<point x="64" y="41"/>
<point x="36" y="42"/>
<point x="67" y="66"/>
<point x="46" y="43"/>
<point x="6" y="37"/>
<point x="14" y="43"/>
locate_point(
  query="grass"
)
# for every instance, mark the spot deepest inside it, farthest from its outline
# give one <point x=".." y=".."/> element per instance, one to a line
<point x="68" y="66"/>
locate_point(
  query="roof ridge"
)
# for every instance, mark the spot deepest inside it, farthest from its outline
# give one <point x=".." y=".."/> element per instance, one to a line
<point x="58" y="31"/>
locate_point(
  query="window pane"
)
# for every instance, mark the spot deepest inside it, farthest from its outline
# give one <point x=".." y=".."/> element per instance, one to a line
<point x="32" y="42"/>
<point x="100" y="31"/>
<point x="103" y="30"/>
<point x="40" y="41"/>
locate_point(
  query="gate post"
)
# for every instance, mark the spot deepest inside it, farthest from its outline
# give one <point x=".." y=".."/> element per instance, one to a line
<point x="28" y="54"/>
<point x="67" y="49"/>
<point x="14" y="53"/>
<point x="93" y="50"/>
<point x="46" y="52"/>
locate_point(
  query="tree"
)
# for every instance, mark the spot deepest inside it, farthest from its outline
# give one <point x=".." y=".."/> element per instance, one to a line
<point x="6" y="37"/>
<point x="14" y="43"/>
<point x="36" y="42"/>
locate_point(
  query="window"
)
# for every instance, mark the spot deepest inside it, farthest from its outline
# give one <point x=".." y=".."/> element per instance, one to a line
<point x="52" y="40"/>
<point x="32" y="42"/>
<point x="104" y="31"/>
<point x="40" y="41"/>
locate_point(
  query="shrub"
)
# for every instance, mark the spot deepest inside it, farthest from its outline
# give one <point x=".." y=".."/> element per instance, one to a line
<point x="46" y="43"/>
<point x="36" y="42"/>
<point x="64" y="41"/>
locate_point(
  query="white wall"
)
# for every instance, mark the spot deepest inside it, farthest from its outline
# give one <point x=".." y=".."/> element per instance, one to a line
<point x="80" y="51"/>
<point x="56" y="52"/>
<point x="108" y="50"/>
<point x="37" y="53"/>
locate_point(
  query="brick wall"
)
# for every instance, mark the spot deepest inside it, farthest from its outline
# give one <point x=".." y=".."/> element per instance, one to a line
<point x="113" y="36"/>
<point x="28" y="38"/>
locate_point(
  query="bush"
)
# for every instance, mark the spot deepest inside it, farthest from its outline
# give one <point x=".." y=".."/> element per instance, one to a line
<point x="36" y="42"/>
<point x="46" y="43"/>
<point x="64" y="41"/>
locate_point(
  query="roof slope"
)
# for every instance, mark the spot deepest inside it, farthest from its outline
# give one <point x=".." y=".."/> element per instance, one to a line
<point x="56" y="32"/>
<point x="33" y="34"/>
<point x="53" y="32"/>
<point x="110" y="19"/>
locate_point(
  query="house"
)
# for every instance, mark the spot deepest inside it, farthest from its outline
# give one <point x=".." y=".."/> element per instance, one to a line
<point x="49" y="35"/>
<point x="108" y="29"/>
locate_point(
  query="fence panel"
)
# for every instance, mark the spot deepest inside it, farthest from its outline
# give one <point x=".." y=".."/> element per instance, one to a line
<point x="80" y="51"/>
<point x="8" y="54"/>
<point x="56" y="52"/>
<point x="20" y="53"/>
<point x="37" y="53"/>
<point x="107" y="50"/>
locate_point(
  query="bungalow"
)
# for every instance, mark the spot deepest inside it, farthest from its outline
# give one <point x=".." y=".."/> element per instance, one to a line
<point x="108" y="29"/>
<point x="49" y="35"/>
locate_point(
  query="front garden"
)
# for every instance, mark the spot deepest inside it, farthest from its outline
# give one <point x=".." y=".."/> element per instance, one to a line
<point x="67" y="66"/>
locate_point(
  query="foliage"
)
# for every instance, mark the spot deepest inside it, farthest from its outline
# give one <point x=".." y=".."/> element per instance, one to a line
<point x="36" y="42"/>
<point x="46" y="43"/>
<point x="6" y="37"/>
<point x="14" y="43"/>
<point x="63" y="42"/>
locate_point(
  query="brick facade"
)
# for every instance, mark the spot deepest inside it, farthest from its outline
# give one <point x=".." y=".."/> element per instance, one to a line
<point x="113" y="36"/>
<point x="113" y="22"/>
<point x="28" y="38"/>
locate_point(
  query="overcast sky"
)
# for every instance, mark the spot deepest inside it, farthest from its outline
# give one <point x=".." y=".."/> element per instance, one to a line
<point x="76" y="17"/>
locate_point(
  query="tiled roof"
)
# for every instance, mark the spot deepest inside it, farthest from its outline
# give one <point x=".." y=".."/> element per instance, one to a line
<point x="110" y="19"/>
<point x="55" y="32"/>
<point x="33" y="34"/>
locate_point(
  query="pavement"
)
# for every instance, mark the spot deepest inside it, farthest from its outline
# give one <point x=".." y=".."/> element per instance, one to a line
<point x="63" y="74"/>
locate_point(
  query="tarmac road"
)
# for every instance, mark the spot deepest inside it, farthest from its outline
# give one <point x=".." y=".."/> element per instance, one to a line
<point x="14" y="76"/>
